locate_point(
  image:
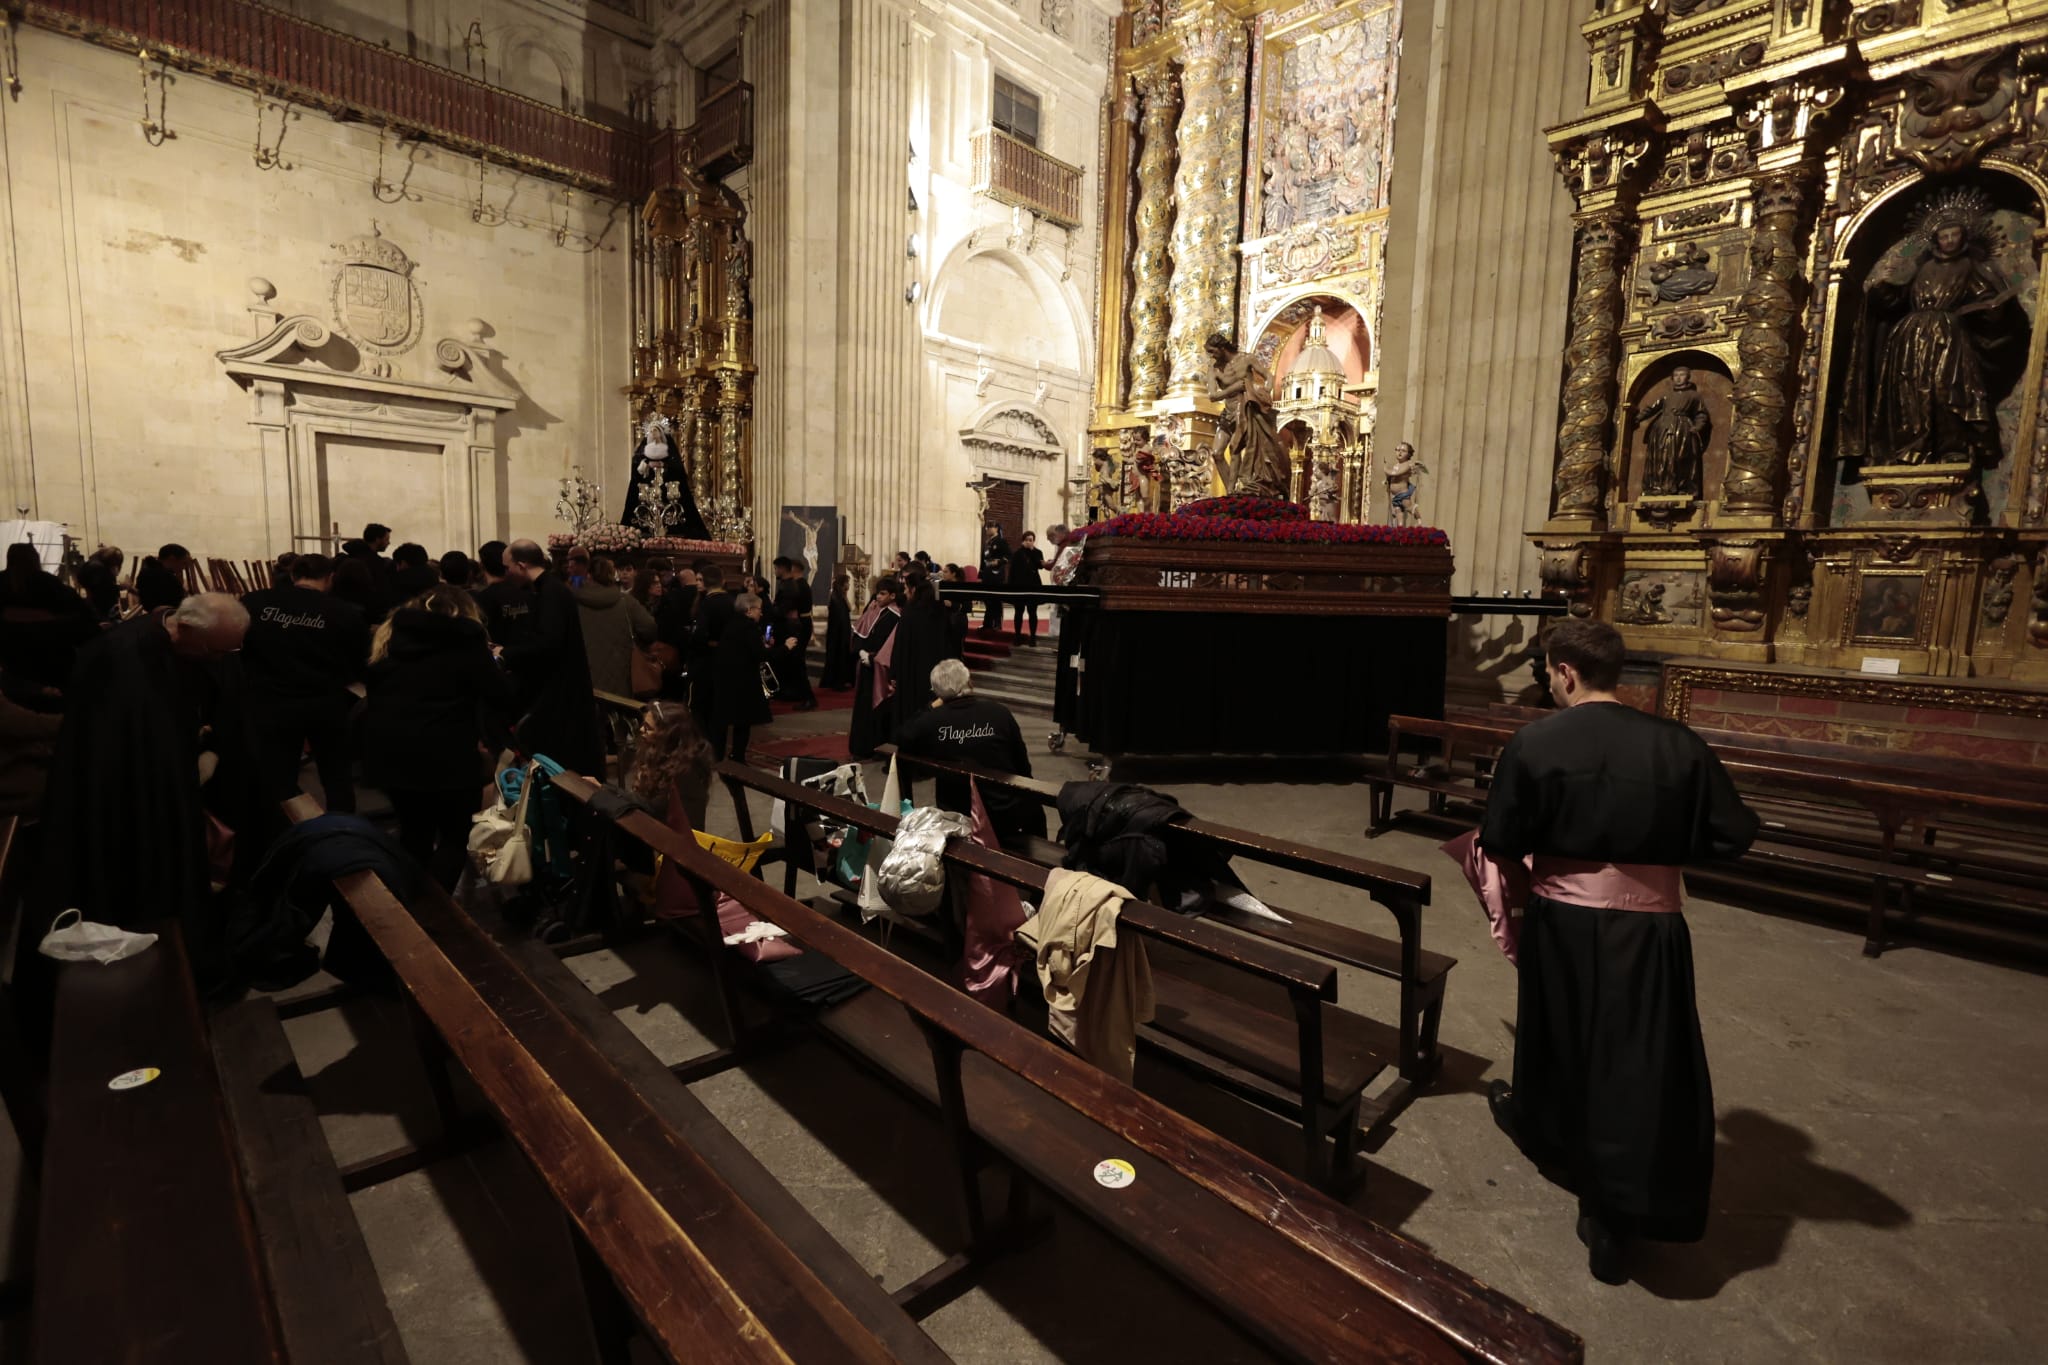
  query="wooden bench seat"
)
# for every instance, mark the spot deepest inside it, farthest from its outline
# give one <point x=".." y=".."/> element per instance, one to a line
<point x="1403" y="893"/>
<point x="1294" y="1269"/>
<point x="197" y="1216"/>
<point x="1328" y="1127"/>
<point x="616" y="1140"/>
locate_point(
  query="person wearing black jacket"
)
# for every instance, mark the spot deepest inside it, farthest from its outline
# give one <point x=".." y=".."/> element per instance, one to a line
<point x="412" y="573"/>
<point x="707" y="632"/>
<point x="838" y="674"/>
<point x="160" y="581"/>
<point x="304" y="647"/>
<point x="370" y="552"/>
<point x="437" y="703"/>
<point x="963" y="728"/>
<point x="793" y="629"/>
<point x="1026" y="566"/>
<point x="995" y="572"/>
<point x="738" y="703"/>
<point x="923" y="640"/>
<point x="506" y="602"/>
<point x="551" y="671"/>
<point x="43" y="624"/>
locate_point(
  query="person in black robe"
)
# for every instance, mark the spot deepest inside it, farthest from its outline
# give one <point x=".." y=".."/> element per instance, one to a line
<point x="739" y="703"/>
<point x="793" y="630"/>
<point x="959" y="610"/>
<point x="707" y="633"/>
<point x="506" y="601"/>
<point x="673" y="620"/>
<point x="839" y="665"/>
<point x="1611" y="1089"/>
<point x="304" y="648"/>
<point x="963" y="728"/>
<point x="125" y="828"/>
<point x="874" y="704"/>
<point x="42" y="622"/>
<point x="1027" y="570"/>
<point x="552" y="674"/>
<point x="160" y="578"/>
<point x="995" y="573"/>
<point x="924" y="640"/>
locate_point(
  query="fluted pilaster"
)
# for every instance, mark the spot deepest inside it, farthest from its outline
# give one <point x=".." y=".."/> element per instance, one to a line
<point x="1161" y="94"/>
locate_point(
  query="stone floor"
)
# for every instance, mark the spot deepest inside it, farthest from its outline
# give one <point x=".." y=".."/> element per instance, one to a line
<point x="1880" y="1193"/>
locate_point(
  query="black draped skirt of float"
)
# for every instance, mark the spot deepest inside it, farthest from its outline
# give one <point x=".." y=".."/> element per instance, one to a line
<point x="1169" y="682"/>
<point x="1612" y="1094"/>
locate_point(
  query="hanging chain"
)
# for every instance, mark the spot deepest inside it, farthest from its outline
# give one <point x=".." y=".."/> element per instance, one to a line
<point x="10" y="55"/>
<point x="483" y="213"/>
<point x="271" y="158"/>
<point x="391" y="192"/>
<point x="154" y="130"/>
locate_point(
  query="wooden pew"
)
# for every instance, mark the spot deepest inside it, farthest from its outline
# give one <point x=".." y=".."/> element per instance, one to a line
<point x="198" y="1215"/>
<point x="1298" y="1271"/>
<point x="715" y="1261"/>
<point x="1312" y="1068"/>
<point x="1826" y="789"/>
<point x="1419" y="974"/>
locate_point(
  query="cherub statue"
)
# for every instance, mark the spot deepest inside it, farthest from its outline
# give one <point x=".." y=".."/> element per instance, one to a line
<point x="1402" y="486"/>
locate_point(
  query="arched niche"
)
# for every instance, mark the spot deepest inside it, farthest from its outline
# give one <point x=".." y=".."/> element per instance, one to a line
<point x="1344" y="330"/>
<point x="998" y="302"/>
<point x="1716" y="387"/>
<point x="1886" y="241"/>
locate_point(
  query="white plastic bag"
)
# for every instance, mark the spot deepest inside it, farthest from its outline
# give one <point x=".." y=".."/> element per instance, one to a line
<point x="913" y="877"/>
<point x="74" y="938"/>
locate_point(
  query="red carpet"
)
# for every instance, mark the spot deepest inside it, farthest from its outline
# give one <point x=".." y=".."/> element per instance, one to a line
<point x="827" y="701"/>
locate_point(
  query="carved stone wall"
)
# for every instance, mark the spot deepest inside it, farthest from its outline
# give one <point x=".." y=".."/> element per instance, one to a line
<point x="1839" y="209"/>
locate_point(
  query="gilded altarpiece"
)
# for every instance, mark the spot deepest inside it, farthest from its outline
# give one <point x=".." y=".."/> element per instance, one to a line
<point x="1304" y="135"/>
<point x="1802" y="417"/>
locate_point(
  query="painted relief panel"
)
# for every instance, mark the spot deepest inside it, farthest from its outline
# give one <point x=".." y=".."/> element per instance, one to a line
<point x="1325" y="115"/>
<point x="1660" y="597"/>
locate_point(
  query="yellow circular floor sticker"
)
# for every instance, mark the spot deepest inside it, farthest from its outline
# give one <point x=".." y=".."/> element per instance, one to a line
<point x="1115" y="1173"/>
<point x="128" y="1080"/>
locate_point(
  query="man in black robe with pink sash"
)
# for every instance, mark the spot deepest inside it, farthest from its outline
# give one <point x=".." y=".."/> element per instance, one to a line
<point x="1591" y="816"/>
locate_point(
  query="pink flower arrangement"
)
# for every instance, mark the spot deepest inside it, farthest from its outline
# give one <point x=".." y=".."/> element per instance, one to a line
<point x="1256" y="519"/>
<point x="608" y="538"/>
<point x="679" y="543"/>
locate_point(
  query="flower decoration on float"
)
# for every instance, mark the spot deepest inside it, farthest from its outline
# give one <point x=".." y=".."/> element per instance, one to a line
<point x="1241" y="518"/>
<point x="609" y="538"/>
<point x="684" y="545"/>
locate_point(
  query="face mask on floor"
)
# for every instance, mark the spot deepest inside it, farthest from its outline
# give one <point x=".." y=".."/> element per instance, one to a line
<point x="74" y="938"/>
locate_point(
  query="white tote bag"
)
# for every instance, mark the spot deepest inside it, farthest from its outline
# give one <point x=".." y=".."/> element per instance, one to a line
<point x="499" y="843"/>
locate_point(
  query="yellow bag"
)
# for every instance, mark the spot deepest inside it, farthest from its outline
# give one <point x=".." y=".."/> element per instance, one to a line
<point x="741" y="856"/>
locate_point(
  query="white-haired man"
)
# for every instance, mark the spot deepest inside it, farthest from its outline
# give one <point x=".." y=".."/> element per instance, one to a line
<point x="963" y="728"/>
<point x="124" y="815"/>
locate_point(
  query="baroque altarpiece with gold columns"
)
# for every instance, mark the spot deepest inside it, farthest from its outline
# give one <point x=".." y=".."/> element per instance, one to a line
<point x="1803" y="418"/>
<point x="1245" y="154"/>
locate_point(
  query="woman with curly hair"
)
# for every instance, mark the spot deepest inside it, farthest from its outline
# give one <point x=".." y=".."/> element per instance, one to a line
<point x="672" y="762"/>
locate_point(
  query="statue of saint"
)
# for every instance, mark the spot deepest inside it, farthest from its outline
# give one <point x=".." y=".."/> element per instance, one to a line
<point x="1938" y="343"/>
<point x="1108" y="486"/>
<point x="1322" y="490"/>
<point x="661" y="485"/>
<point x="1248" y="453"/>
<point x="1675" y="431"/>
<point x="1402" y="486"/>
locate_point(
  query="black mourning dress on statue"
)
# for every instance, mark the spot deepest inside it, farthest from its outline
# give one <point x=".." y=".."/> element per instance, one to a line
<point x="648" y="472"/>
<point x="1611" y="1089"/>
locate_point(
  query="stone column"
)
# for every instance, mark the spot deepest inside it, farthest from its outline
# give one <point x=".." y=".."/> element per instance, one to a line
<point x="1161" y="94"/>
<point x="1205" y="224"/>
<point x="1756" y="436"/>
<point x="1590" y="359"/>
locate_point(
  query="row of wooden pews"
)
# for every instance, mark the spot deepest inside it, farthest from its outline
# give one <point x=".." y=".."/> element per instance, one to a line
<point x="1956" y="851"/>
<point x="1297" y="1271"/>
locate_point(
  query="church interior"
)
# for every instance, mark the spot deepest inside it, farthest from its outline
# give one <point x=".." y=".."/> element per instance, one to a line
<point x="1023" y="680"/>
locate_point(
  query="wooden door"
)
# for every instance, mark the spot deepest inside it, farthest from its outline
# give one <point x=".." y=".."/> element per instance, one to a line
<point x="1006" y="508"/>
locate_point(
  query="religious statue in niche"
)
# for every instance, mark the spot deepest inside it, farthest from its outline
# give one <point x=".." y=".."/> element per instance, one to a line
<point x="659" y="500"/>
<point x="1675" y="431"/>
<point x="1681" y="275"/>
<point x="1403" y="486"/>
<point x="1322" y="490"/>
<point x="1247" y="450"/>
<point x="1105" y="484"/>
<point x="1941" y="338"/>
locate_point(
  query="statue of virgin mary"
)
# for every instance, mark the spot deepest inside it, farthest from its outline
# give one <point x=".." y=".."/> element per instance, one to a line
<point x="657" y="465"/>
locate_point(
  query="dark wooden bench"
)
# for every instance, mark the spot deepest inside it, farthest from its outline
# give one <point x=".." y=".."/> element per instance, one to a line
<point x="677" y="1225"/>
<point x="1420" y="974"/>
<point x="1840" y="817"/>
<point x="1296" y="1270"/>
<point x="199" y="1215"/>
<point x="1311" y="1065"/>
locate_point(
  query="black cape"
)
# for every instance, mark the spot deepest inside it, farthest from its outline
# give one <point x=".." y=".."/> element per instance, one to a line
<point x="737" y="698"/>
<point x="793" y="606"/>
<point x="928" y="637"/>
<point x="124" y="818"/>
<point x="838" y="644"/>
<point x="872" y="725"/>
<point x="1612" y="1092"/>
<point x="552" y="678"/>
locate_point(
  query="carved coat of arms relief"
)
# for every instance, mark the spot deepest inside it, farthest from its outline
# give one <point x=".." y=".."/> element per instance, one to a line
<point x="376" y="304"/>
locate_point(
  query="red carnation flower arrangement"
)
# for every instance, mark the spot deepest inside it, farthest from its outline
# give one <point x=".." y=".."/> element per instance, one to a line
<point x="1240" y="518"/>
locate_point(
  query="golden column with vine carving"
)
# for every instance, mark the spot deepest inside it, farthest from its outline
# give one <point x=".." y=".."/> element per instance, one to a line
<point x="1161" y="93"/>
<point x="1591" y="354"/>
<point x="1200" y="219"/>
<point x="1229" y="192"/>
<point x="1756" y="447"/>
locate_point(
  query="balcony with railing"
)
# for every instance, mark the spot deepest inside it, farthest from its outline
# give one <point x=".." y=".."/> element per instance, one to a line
<point x="1011" y="171"/>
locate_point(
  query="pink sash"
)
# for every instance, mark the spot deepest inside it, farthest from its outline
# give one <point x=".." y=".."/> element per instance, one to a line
<point x="1504" y="886"/>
